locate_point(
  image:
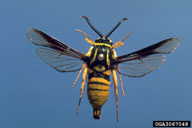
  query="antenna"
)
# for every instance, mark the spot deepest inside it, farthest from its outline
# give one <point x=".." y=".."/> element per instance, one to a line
<point x="94" y="29"/>
<point x="109" y="33"/>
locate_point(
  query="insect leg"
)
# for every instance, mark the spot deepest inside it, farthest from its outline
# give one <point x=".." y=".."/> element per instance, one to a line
<point x="116" y="92"/>
<point x="83" y="66"/>
<point x="115" y="55"/>
<point x="89" y="40"/>
<point x="121" y="82"/>
<point x="120" y="43"/>
<point x="82" y="88"/>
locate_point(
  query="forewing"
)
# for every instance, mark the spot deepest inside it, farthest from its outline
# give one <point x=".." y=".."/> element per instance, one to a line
<point x="146" y="60"/>
<point x="41" y="39"/>
<point x="58" y="55"/>
<point x="60" y="62"/>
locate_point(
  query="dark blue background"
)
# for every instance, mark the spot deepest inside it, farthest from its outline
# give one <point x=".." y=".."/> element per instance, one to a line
<point x="33" y="95"/>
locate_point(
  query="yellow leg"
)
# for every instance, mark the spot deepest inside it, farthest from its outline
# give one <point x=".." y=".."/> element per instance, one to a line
<point x="121" y="82"/>
<point x="115" y="55"/>
<point x="120" y="43"/>
<point x="126" y="36"/>
<point x="116" y="92"/>
<point x="83" y="66"/>
<point x="89" y="40"/>
<point x="82" y="88"/>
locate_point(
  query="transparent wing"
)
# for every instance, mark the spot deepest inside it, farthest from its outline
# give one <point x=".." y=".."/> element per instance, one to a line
<point x="146" y="60"/>
<point x="60" y="62"/>
<point x="41" y="39"/>
<point x="58" y="55"/>
<point x="140" y="67"/>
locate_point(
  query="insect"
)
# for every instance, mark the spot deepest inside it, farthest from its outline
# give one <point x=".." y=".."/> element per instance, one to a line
<point x="100" y="62"/>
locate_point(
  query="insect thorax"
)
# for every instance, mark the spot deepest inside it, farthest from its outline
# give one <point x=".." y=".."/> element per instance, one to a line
<point x="100" y="57"/>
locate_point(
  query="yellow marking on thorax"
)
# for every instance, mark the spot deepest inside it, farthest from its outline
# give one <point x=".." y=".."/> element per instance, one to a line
<point x="90" y="71"/>
<point x="101" y="80"/>
<point x="114" y="53"/>
<point x="89" y="52"/>
<point x="108" y="45"/>
<point x="94" y="57"/>
<point x="107" y="58"/>
<point x="99" y="69"/>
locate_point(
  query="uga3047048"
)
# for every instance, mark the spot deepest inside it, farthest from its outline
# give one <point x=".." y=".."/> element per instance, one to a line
<point x="100" y="62"/>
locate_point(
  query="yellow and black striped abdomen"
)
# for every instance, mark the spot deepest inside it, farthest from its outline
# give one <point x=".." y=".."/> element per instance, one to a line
<point x="98" y="90"/>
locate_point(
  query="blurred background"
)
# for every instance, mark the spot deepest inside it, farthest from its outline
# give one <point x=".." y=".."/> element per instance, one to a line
<point x="34" y="95"/>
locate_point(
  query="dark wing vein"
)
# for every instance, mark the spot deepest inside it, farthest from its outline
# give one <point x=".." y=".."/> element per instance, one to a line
<point x="58" y="55"/>
<point x="141" y="62"/>
<point x="62" y="63"/>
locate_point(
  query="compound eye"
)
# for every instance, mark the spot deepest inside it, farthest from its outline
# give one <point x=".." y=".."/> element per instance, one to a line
<point x="101" y="57"/>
